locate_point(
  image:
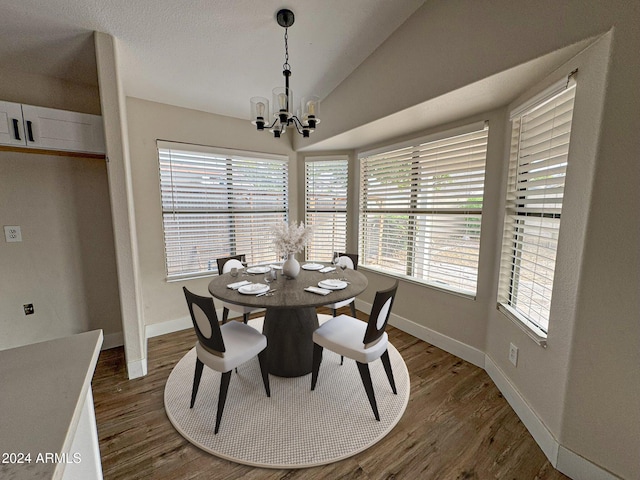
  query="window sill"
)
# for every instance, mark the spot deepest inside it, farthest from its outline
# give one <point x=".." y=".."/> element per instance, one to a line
<point x="536" y="335"/>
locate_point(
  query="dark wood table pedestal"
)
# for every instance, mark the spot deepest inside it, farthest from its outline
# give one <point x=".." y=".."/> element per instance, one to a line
<point x="290" y="345"/>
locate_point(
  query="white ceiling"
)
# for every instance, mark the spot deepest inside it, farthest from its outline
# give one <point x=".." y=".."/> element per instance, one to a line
<point x="208" y="55"/>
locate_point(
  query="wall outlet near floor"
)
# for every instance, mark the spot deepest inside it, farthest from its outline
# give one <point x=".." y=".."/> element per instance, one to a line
<point x="513" y="354"/>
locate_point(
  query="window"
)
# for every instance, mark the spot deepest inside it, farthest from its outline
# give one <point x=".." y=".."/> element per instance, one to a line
<point x="217" y="203"/>
<point x="537" y="166"/>
<point x="326" y="206"/>
<point x="421" y="208"/>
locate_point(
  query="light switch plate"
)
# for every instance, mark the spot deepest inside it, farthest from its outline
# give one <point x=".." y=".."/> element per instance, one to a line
<point x="12" y="233"/>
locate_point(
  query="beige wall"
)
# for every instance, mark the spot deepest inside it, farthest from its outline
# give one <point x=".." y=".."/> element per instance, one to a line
<point x="164" y="301"/>
<point x="65" y="264"/>
<point x="41" y="91"/>
<point x="584" y="387"/>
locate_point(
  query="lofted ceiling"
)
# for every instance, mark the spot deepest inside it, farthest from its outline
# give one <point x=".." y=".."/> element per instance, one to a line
<point x="214" y="55"/>
<point x="206" y="55"/>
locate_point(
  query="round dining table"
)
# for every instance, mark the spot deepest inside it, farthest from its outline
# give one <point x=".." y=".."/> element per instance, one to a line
<point x="290" y="318"/>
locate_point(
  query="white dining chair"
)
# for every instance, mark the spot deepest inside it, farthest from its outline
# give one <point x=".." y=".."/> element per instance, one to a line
<point x="350" y="260"/>
<point x="222" y="348"/>
<point x="224" y="266"/>
<point x="361" y="341"/>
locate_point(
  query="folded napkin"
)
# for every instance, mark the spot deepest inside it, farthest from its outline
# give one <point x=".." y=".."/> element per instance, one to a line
<point x="327" y="269"/>
<point x="237" y="285"/>
<point x="319" y="291"/>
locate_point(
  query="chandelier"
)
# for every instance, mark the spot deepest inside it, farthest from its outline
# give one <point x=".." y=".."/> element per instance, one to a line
<point x="307" y="119"/>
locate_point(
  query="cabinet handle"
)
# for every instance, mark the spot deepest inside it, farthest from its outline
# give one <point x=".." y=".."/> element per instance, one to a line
<point x="16" y="130"/>
<point x="30" y="131"/>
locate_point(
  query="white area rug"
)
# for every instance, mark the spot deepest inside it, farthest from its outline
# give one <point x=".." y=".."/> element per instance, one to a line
<point x="295" y="428"/>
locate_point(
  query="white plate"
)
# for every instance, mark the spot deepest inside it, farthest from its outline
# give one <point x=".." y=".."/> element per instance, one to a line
<point x="312" y="266"/>
<point x="331" y="284"/>
<point x="253" y="289"/>
<point x="258" y="269"/>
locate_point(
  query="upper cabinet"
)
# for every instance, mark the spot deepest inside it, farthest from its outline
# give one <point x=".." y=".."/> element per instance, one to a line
<point x="50" y="129"/>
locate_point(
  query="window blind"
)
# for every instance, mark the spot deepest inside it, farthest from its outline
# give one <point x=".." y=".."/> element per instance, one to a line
<point x="537" y="169"/>
<point x="217" y="203"/>
<point x="326" y="206"/>
<point x="421" y="209"/>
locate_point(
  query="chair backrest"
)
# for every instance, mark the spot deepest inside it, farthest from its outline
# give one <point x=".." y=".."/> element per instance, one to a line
<point x="205" y="321"/>
<point x="350" y="259"/>
<point x="223" y="261"/>
<point x="380" y="313"/>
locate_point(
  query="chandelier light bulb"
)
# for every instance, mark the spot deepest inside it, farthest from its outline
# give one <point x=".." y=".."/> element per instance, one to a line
<point x="260" y="109"/>
<point x="282" y="101"/>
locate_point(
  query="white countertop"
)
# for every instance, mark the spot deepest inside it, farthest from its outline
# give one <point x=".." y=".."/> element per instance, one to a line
<point x="43" y="387"/>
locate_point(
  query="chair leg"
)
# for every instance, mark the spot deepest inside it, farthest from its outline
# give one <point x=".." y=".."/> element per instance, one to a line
<point x="265" y="373"/>
<point x="245" y="318"/>
<point x="368" y="386"/>
<point x="353" y="309"/>
<point x="196" y="381"/>
<point x="225" y="315"/>
<point x="387" y="368"/>
<point x="341" y="359"/>
<point x="222" y="397"/>
<point x="317" y="360"/>
<point x="335" y="312"/>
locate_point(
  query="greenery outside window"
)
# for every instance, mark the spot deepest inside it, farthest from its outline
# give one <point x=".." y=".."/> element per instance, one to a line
<point x="421" y="208"/>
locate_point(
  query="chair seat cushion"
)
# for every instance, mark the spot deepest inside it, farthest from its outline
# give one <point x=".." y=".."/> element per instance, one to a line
<point x="241" y="342"/>
<point x="238" y="308"/>
<point x="344" y="335"/>
<point x="337" y="305"/>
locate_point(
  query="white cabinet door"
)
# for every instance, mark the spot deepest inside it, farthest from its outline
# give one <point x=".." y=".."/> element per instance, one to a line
<point x="53" y="129"/>
<point x="11" y="126"/>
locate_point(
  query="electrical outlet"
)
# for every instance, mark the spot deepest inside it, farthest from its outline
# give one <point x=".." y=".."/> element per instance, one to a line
<point x="513" y="354"/>
<point x="12" y="233"/>
<point x="28" y="309"/>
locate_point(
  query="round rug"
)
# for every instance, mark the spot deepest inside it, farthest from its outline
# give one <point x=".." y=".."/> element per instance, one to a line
<point x="295" y="427"/>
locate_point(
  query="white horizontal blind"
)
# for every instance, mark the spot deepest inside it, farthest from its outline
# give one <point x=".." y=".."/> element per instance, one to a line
<point x="217" y="203"/>
<point x="326" y="207"/>
<point x="421" y="210"/>
<point x="538" y="162"/>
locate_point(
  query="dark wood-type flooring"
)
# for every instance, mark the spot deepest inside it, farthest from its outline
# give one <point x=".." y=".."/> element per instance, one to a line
<point x="457" y="425"/>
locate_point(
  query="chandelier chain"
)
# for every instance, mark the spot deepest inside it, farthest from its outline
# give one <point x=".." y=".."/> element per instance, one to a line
<point x="286" y="65"/>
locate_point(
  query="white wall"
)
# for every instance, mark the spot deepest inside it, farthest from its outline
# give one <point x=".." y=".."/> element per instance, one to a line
<point x="148" y="121"/>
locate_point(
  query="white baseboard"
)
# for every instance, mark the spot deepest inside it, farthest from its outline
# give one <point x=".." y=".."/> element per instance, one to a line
<point x="137" y="368"/>
<point x="113" y="340"/>
<point x="540" y="433"/>
<point x="156" y="329"/>
<point x="575" y="466"/>
<point x="448" y="344"/>
<point x="561" y="458"/>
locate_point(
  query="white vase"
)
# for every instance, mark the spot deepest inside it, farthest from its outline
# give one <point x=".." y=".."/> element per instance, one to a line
<point x="291" y="267"/>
